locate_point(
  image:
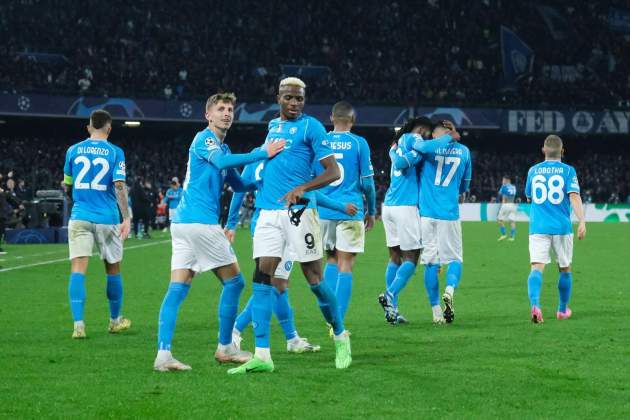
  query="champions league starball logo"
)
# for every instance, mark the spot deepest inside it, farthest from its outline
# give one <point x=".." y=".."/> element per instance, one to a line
<point x="23" y="103"/>
<point x="185" y="110"/>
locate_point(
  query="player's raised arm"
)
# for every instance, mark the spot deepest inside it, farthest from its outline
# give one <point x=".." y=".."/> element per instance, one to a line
<point x="227" y="161"/>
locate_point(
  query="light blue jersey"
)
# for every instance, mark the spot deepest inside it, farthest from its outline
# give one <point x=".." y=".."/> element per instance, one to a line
<point x="403" y="184"/>
<point x="507" y="192"/>
<point x="549" y="184"/>
<point x="352" y="153"/>
<point x="305" y="142"/>
<point x="446" y="173"/>
<point x="92" y="167"/>
<point x="208" y="163"/>
<point x="173" y="197"/>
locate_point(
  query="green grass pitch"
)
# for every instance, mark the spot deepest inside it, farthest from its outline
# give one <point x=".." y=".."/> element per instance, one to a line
<point x="492" y="362"/>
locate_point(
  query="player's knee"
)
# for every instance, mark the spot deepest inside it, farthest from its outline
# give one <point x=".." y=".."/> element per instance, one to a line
<point x="280" y="284"/>
<point x="538" y="267"/>
<point x="312" y="270"/>
<point x="262" y="278"/>
<point x="112" y="268"/>
<point x="564" y="269"/>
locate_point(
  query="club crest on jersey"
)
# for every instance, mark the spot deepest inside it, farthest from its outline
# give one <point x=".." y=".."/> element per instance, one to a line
<point x="288" y="265"/>
<point x="211" y="144"/>
<point x="293" y="130"/>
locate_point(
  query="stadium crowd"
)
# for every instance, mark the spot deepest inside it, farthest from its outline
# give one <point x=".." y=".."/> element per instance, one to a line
<point x="420" y="53"/>
<point x="36" y="163"/>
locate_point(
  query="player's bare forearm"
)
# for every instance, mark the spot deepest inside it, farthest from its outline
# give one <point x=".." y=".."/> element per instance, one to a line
<point x="576" y="203"/>
<point x="331" y="174"/>
<point x="578" y="208"/>
<point x="68" y="190"/>
<point x="121" y="198"/>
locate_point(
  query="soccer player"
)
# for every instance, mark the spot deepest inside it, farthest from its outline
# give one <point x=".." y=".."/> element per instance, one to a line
<point x="507" y="211"/>
<point x="94" y="176"/>
<point x="281" y="307"/>
<point x="288" y="180"/>
<point x="445" y="175"/>
<point x="199" y="243"/>
<point x="171" y="199"/>
<point x="553" y="188"/>
<point x="344" y="236"/>
<point x="401" y="216"/>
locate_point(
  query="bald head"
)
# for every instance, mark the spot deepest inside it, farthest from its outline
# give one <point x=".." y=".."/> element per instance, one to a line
<point x="552" y="147"/>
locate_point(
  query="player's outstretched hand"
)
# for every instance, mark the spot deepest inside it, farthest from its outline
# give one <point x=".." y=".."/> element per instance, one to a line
<point x="230" y="234"/>
<point x="125" y="227"/>
<point x="369" y="222"/>
<point x="394" y="146"/>
<point x="581" y="231"/>
<point x="275" y="147"/>
<point x="351" y="209"/>
<point x="293" y="196"/>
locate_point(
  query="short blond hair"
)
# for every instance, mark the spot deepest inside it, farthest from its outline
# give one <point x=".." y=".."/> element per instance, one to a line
<point x="292" y="81"/>
<point x="220" y="97"/>
<point x="553" y="146"/>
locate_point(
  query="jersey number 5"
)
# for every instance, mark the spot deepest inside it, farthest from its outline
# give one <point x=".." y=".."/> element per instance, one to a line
<point x="338" y="157"/>
<point x="441" y="160"/>
<point x="95" y="184"/>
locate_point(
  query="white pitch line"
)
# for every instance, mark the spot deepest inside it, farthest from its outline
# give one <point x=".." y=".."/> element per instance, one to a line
<point x="18" y="267"/>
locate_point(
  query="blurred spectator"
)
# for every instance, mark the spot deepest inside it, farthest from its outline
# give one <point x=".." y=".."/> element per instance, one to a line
<point x="416" y="53"/>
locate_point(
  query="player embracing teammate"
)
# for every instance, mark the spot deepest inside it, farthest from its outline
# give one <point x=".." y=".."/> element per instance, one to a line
<point x="445" y="174"/>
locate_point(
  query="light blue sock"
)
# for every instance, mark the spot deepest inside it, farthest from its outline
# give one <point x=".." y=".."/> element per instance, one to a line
<point x="512" y="232"/>
<point x="329" y="306"/>
<point x="114" y="294"/>
<point x="565" y="282"/>
<point x="262" y="305"/>
<point x="390" y="275"/>
<point x="76" y="292"/>
<point x="175" y="295"/>
<point x="534" y="284"/>
<point x="344" y="291"/>
<point x="431" y="283"/>
<point x="454" y="274"/>
<point x="404" y="273"/>
<point x="284" y="313"/>
<point x="331" y="276"/>
<point x="228" y="307"/>
<point x="502" y="230"/>
<point x="245" y="317"/>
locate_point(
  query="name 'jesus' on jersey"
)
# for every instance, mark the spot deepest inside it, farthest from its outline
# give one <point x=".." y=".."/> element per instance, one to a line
<point x="352" y="153"/>
<point x="403" y="184"/>
<point x="92" y="167"/>
<point x="201" y="198"/>
<point x="549" y="184"/>
<point x="446" y="173"/>
<point x="305" y="141"/>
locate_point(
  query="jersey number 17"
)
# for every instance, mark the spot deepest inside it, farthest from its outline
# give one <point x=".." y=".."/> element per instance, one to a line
<point x="441" y="161"/>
